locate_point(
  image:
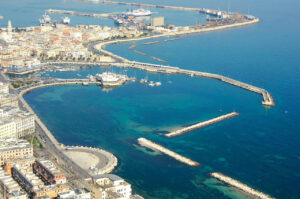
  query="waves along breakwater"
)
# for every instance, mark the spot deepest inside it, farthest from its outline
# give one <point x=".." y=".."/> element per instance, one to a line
<point x="149" y="144"/>
<point x="240" y="186"/>
<point x="200" y="125"/>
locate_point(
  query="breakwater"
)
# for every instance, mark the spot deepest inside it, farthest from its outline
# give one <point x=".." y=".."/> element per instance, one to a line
<point x="149" y="144"/>
<point x="68" y="12"/>
<point x="158" y="59"/>
<point x="152" y="42"/>
<point x="200" y="125"/>
<point x="154" y="6"/>
<point x="240" y="186"/>
<point x="139" y="52"/>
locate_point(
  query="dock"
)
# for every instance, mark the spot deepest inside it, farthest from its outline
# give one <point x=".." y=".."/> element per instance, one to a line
<point x="240" y="186"/>
<point x="200" y="125"/>
<point x="69" y="12"/>
<point x="149" y="144"/>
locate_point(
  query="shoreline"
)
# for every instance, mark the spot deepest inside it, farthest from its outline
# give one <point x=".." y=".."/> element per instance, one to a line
<point x="57" y="146"/>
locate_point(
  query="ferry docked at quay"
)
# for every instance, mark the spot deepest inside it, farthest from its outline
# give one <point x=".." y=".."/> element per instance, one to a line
<point x="109" y="79"/>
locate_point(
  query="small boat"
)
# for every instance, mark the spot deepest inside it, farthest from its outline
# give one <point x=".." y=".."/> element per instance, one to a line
<point x="151" y="83"/>
<point x="157" y="83"/>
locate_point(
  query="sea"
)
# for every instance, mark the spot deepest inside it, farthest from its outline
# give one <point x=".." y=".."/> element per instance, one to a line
<point x="260" y="148"/>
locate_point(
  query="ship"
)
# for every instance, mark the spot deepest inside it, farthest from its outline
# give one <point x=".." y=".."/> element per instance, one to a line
<point x="111" y="79"/>
<point x="46" y="19"/>
<point x="138" y="13"/>
<point x="65" y="20"/>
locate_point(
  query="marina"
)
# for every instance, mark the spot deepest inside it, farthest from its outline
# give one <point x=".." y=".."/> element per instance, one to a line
<point x="240" y="186"/>
<point x="149" y="144"/>
<point x="201" y="125"/>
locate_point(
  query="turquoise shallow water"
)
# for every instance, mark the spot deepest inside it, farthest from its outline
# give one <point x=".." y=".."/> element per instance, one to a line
<point x="260" y="147"/>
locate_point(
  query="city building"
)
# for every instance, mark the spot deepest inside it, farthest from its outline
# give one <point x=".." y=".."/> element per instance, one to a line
<point x="109" y="186"/>
<point x="75" y="194"/>
<point x="7" y="128"/>
<point x="158" y="21"/>
<point x="33" y="185"/>
<point x="9" y="188"/>
<point x="8" y="100"/>
<point x="15" y="123"/>
<point x="4" y="88"/>
<point x="26" y="161"/>
<point x="13" y="149"/>
<point x="48" y="172"/>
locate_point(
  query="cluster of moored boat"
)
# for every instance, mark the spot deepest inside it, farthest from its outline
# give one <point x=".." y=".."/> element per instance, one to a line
<point x="150" y="83"/>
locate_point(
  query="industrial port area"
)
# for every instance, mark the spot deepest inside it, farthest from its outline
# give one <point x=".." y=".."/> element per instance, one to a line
<point x="53" y="170"/>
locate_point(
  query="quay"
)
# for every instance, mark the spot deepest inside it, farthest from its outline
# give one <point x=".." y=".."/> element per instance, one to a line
<point x="240" y="186"/>
<point x="68" y="12"/>
<point x="200" y="125"/>
<point x="149" y="144"/>
<point x="56" y="82"/>
<point x="23" y="72"/>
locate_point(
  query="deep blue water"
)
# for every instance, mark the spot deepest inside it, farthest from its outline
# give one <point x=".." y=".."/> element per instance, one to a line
<point x="260" y="147"/>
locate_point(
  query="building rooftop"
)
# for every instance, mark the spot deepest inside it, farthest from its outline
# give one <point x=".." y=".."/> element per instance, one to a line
<point x="50" y="166"/>
<point x="13" y="143"/>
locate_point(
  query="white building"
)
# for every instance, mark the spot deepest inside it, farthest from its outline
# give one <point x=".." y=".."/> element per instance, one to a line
<point x="7" y="128"/>
<point x="15" y="123"/>
<point x="4" y="88"/>
<point x="75" y="194"/>
<point x="113" y="186"/>
<point x="11" y="149"/>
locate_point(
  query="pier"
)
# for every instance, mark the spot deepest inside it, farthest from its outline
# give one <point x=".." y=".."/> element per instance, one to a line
<point x="240" y="186"/>
<point x="68" y="12"/>
<point x="201" y="124"/>
<point x="149" y="144"/>
<point x="153" y="6"/>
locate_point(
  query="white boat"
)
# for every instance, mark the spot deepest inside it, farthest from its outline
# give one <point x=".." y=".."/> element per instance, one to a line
<point x="138" y="13"/>
<point x="46" y="19"/>
<point x="151" y="83"/>
<point x="157" y="83"/>
<point x="111" y="79"/>
<point x="66" y="20"/>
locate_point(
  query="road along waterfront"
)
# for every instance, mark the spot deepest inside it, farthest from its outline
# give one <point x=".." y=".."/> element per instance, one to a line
<point x="57" y="149"/>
